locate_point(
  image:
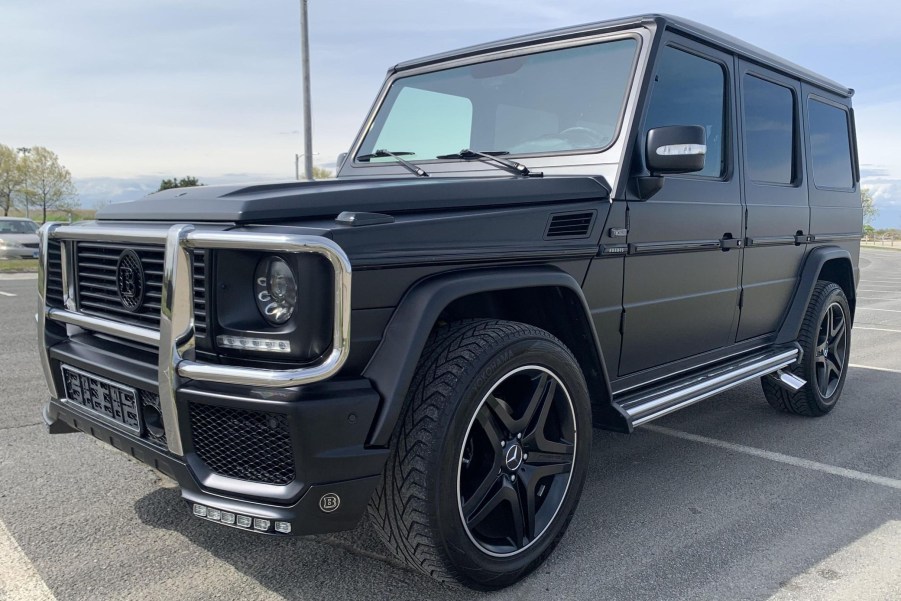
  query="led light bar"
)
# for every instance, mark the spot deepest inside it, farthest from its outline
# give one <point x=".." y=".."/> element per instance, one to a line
<point x="245" y="343"/>
<point x="244" y="522"/>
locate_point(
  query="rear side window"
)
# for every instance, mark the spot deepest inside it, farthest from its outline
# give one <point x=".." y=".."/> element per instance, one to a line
<point x="690" y="90"/>
<point x="830" y="146"/>
<point x="769" y="131"/>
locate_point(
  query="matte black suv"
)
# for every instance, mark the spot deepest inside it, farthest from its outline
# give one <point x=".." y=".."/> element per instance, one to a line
<point x="589" y="227"/>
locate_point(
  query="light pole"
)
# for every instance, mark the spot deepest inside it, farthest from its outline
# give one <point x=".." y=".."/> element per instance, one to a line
<point x="23" y="152"/>
<point x="307" y="112"/>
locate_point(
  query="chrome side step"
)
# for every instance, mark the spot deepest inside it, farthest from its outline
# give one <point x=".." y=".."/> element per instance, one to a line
<point x="645" y="406"/>
<point x="788" y="380"/>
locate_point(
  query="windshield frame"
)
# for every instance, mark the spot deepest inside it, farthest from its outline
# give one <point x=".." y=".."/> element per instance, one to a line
<point x="502" y="54"/>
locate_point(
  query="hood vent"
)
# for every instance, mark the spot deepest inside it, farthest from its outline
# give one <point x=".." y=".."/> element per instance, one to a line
<point x="570" y="225"/>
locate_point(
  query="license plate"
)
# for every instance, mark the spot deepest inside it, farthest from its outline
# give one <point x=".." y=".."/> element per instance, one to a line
<point x="109" y="400"/>
<point x="35" y="254"/>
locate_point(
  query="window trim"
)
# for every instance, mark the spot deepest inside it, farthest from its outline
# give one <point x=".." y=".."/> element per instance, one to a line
<point x="847" y="111"/>
<point x="797" y="138"/>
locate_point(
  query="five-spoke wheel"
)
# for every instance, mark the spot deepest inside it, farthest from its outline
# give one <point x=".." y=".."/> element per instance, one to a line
<point x="825" y="341"/>
<point x="830" y="351"/>
<point x="486" y="467"/>
<point x="516" y="462"/>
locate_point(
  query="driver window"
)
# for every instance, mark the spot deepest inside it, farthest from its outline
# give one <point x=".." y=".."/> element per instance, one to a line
<point x="690" y="90"/>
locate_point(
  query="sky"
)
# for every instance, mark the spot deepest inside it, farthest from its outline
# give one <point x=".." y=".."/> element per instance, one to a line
<point x="130" y="92"/>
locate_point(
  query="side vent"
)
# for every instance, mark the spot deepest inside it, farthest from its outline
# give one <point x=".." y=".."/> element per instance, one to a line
<point x="570" y="225"/>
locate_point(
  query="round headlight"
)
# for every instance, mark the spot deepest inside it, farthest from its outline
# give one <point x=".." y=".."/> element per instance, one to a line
<point x="275" y="290"/>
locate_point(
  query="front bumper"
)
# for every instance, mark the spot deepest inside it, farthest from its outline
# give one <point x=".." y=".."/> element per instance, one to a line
<point x="328" y="424"/>
<point x="280" y="446"/>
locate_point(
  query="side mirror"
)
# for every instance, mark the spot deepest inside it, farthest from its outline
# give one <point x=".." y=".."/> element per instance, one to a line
<point x="676" y="149"/>
<point x="341" y="158"/>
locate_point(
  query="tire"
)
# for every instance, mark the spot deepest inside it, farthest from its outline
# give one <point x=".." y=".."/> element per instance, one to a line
<point x="446" y="455"/>
<point x="826" y="326"/>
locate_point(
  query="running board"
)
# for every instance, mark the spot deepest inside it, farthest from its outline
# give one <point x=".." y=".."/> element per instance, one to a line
<point x="649" y="405"/>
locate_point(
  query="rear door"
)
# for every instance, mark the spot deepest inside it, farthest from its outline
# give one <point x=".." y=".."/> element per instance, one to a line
<point x="681" y="287"/>
<point x="775" y="189"/>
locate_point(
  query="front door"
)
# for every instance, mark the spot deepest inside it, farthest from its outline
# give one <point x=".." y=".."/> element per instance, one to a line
<point x="682" y="271"/>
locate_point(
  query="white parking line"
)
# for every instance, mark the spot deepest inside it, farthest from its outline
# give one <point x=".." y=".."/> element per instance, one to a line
<point x="893" y="371"/>
<point x="780" y="458"/>
<point x="18" y="578"/>
<point x="6" y="293"/>
<point x="876" y="329"/>
<point x="875" y="309"/>
<point x="891" y="298"/>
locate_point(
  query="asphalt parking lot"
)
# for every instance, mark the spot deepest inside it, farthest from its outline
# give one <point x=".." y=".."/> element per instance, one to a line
<point x="727" y="499"/>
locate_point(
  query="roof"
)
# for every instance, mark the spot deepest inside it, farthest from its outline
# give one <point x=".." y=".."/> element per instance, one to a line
<point x="15" y="218"/>
<point x="685" y="26"/>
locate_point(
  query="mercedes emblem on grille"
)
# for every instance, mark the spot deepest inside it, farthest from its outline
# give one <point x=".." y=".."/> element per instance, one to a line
<point x="130" y="280"/>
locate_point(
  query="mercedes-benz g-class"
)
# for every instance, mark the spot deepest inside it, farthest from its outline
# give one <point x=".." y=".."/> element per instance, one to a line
<point x="586" y="228"/>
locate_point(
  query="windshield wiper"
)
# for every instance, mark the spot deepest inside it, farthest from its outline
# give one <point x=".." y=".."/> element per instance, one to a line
<point x="512" y="166"/>
<point x="379" y="154"/>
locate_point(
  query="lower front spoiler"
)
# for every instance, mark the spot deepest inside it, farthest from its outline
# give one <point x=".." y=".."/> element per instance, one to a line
<point x="321" y="509"/>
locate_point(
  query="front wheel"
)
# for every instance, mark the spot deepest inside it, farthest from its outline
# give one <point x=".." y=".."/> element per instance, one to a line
<point x="489" y="460"/>
<point x="825" y="338"/>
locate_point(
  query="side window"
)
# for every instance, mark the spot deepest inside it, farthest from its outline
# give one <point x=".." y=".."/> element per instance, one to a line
<point x="690" y="90"/>
<point x="769" y="131"/>
<point x="830" y="146"/>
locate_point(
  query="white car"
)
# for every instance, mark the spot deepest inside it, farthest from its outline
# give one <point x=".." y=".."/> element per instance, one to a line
<point x="18" y="238"/>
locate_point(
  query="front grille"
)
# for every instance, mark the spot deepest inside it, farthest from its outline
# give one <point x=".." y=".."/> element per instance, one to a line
<point x="96" y="277"/>
<point x="97" y="289"/>
<point x="238" y="443"/>
<point x="54" y="274"/>
<point x="31" y="244"/>
<point x="200" y="293"/>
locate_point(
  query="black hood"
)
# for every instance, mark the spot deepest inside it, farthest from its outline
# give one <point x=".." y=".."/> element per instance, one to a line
<point x="327" y="198"/>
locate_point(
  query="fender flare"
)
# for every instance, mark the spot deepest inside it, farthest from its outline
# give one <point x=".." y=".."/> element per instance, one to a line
<point x="392" y="367"/>
<point x="810" y="273"/>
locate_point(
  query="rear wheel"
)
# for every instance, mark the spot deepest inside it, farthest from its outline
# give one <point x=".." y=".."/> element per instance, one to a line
<point x="489" y="460"/>
<point x="825" y="338"/>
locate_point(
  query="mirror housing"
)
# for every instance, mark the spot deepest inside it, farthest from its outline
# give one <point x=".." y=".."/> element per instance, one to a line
<point x="341" y="158"/>
<point x="676" y="149"/>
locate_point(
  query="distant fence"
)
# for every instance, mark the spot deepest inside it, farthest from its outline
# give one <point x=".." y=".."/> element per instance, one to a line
<point x="888" y="241"/>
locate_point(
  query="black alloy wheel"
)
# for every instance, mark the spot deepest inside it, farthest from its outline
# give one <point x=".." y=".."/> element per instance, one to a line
<point x="830" y="357"/>
<point x="825" y="341"/>
<point x="488" y="461"/>
<point x="516" y="463"/>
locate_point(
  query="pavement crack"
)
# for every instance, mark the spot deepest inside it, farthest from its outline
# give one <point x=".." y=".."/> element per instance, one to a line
<point x="21" y="426"/>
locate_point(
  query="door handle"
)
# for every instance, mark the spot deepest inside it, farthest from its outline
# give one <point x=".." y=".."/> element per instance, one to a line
<point x="727" y="242"/>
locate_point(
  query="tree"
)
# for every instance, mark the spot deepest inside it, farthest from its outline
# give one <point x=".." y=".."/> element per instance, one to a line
<point x="189" y="181"/>
<point x="320" y="173"/>
<point x="49" y="184"/>
<point x="12" y="178"/>
<point x="869" y="207"/>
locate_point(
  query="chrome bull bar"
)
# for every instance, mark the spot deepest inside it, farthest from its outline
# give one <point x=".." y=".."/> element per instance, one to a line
<point x="175" y="338"/>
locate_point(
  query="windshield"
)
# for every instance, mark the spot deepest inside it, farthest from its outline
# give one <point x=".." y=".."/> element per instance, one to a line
<point x="556" y="101"/>
<point x="17" y="227"/>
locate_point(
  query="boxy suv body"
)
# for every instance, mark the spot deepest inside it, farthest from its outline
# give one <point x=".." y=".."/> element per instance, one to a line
<point x="589" y="227"/>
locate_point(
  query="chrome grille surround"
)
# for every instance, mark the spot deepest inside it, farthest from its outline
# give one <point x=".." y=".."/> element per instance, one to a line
<point x="178" y="323"/>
